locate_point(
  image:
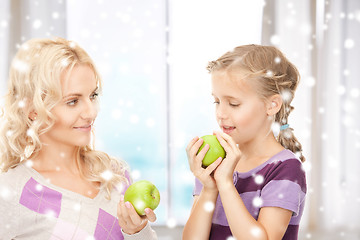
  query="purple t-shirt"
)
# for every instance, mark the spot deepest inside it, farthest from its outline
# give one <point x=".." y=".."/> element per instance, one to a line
<point x="278" y="182"/>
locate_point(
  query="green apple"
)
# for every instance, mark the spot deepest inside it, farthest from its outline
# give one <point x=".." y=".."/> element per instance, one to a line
<point x="142" y="194"/>
<point x="215" y="151"/>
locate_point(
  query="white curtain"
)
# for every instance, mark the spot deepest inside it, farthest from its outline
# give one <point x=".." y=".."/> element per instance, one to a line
<point x="323" y="39"/>
<point x="21" y="20"/>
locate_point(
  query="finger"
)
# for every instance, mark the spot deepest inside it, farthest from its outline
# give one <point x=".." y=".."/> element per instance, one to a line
<point x="120" y="215"/>
<point x="150" y="215"/>
<point x="195" y="148"/>
<point x="201" y="155"/>
<point x="213" y="166"/>
<point x="124" y="212"/>
<point x="135" y="218"/>
<point x="226" y="141"/>
<point x="191" y="143"/>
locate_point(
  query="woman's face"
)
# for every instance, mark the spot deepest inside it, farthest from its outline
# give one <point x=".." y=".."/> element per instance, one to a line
<point x="76" y="112"/>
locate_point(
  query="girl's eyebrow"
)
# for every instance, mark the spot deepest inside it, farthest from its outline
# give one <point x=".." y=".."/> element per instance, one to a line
<point x="227" y="97"/>
<point x="78" y="94"/>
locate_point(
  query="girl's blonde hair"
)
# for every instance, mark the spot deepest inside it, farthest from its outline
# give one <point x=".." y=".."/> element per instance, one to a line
<point x="34" y="86"/>
<point x="272" y="73"/>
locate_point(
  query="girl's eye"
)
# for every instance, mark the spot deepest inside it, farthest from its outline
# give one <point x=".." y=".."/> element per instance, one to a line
<point x="234" y="104"/>
<point x="216" y="102"/>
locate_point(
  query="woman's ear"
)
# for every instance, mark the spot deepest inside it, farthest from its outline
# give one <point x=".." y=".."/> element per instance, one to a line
<point x="274" y="104"/>
<point x="32" y="115"/>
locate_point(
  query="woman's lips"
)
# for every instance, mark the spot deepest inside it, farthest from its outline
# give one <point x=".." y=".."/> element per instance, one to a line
<point x="86" y="128"/>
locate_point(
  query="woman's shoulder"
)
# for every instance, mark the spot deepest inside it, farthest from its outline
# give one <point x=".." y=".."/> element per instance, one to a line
<point x="14" y="178"/>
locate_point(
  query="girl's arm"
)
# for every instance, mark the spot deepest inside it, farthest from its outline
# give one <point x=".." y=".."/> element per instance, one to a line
<point x="199" y="223"/>
<point x="272" y="222"/>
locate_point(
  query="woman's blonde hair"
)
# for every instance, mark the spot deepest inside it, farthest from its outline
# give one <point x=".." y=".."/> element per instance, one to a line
<point x="272" y="73"/>
<point x="34" y="86"/>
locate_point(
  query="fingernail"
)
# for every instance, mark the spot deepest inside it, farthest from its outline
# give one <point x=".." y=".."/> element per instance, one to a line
<point x="147" y="210"/>
<point x="128" y="205"/>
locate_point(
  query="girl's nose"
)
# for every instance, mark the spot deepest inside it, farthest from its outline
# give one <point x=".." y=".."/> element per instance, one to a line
<point x="220" y="112"/>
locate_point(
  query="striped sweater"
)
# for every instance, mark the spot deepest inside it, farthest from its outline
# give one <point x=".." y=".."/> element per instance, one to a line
<point x="278" y="182"/>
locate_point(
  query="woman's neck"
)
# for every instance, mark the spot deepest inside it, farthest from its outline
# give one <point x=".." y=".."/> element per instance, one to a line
<point x="57" y="159"/>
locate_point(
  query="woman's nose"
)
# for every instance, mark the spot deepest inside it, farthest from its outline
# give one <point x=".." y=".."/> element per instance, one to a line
<point x="90" y="110"/>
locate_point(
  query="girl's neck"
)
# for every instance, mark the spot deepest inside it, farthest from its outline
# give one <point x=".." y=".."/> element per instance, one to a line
<point x="260" y="149"/>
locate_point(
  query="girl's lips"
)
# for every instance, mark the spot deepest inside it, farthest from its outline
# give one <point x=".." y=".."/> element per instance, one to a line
<point x="228" y="130"/>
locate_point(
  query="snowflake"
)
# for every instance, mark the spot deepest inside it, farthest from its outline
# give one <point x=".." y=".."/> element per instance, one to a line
<point x="286" y="95"/>
<point x="310" y="81"/>
<point x="107" y="175"/>
<point x="30" y="132"/>
<point x="39" y="187"/>
<point x="77" y="207"/>
<point x="231" y="238"/>
<point x="275" y="39"/>
<point x="209" y="206"/>
<point x="20" y="66"/>
<point x="37" y="24"/>
<point x="259" y="179"/>
<point x="9" y="133"/>
<point x="255" y="231"/>
<point x="135" y="174"/>
<point x="4" y="23"/>
<point x="355" y="92"/>
<point x="257" y="202"/>
<point x="349" y="43"/>
<point x="55" y="15"/>
<point x="277" y="60"/>
<point x="269" y="73"/>
<point x="29" y="163"/>
<point x="171" y="223"/>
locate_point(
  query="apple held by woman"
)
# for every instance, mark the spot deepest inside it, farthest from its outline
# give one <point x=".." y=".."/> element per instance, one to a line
<point x="215" y="150"/>
<point x="142" y="194"/>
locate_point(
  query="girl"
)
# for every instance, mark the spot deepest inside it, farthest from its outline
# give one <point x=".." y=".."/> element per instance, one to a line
<point x="257" y="191"/>
<point x="53" y="184"/>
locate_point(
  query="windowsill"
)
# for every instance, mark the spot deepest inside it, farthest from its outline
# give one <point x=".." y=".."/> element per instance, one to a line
<point x="165" y="233"/>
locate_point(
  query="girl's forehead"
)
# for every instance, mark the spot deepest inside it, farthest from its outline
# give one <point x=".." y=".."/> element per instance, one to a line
<point x="233" y="80"/>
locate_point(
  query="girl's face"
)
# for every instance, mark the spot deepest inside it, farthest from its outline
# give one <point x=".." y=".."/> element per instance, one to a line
<point x="240" y="112"/>
<point x="76" y="112"/>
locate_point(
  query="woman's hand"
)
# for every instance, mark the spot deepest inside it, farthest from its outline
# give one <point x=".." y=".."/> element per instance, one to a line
<point x="195" y="162"/>
<point x="225" y="171"/>
<point x="129" y="220"/>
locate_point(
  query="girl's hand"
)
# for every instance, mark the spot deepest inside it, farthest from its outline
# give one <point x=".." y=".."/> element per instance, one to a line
<point x="224" y="173"/>
<point x="195" y="162"/>
<point x="129" y="220"/>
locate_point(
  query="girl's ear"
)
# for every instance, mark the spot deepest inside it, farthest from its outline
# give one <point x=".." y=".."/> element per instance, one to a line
<point x="274" y="104"/>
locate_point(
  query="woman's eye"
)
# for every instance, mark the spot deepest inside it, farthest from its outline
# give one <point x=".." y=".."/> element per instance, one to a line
<point x="72" y="102"/>
<point x="94" y="96"/>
